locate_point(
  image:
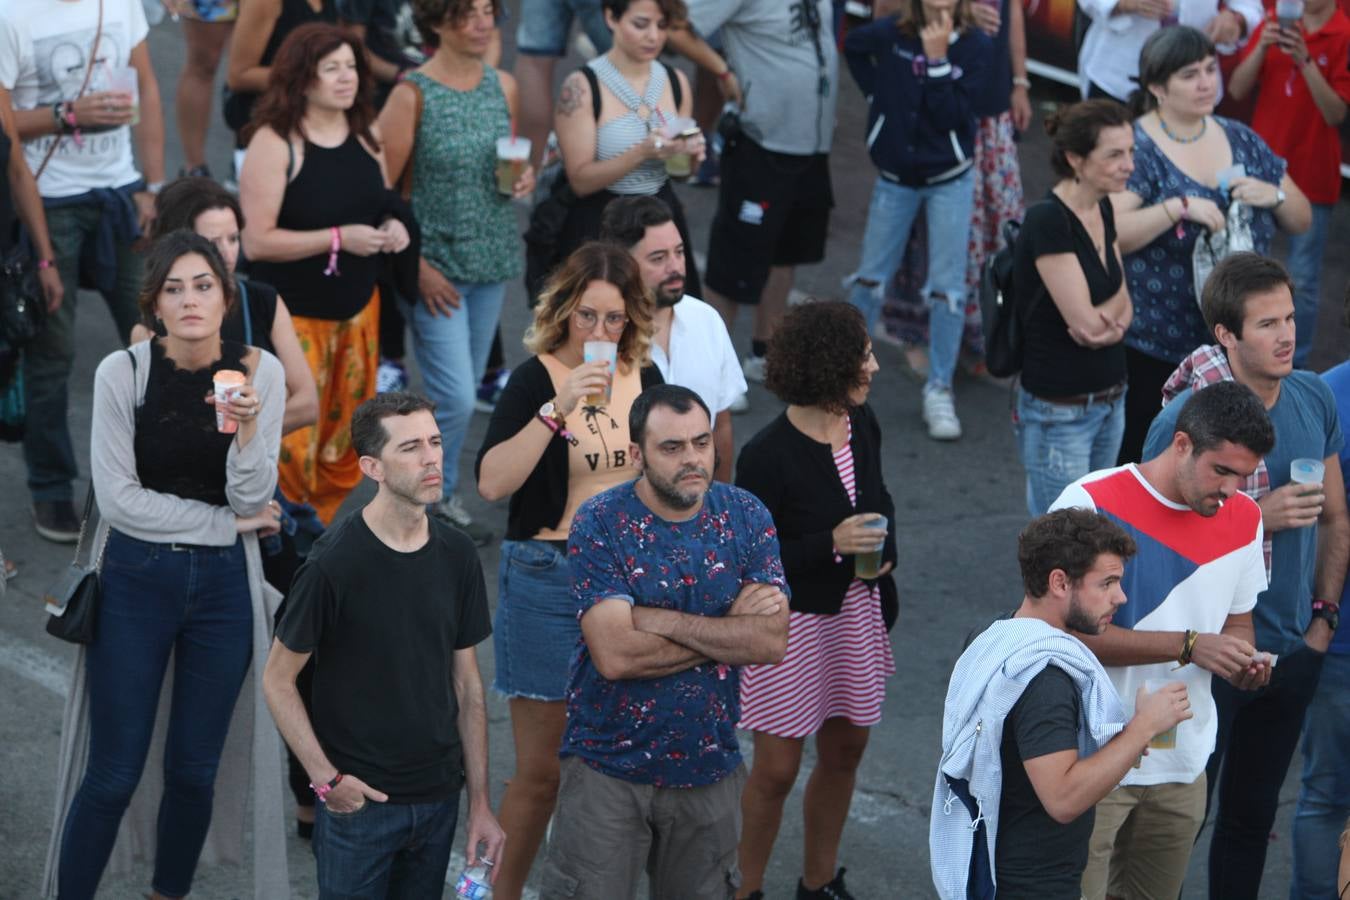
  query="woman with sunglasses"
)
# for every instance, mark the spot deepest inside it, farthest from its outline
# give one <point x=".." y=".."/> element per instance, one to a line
<point x="557" y="438"/>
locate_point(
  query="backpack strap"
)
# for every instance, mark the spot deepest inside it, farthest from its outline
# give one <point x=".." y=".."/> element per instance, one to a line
<point x="675" y="89"/>
<point x="243" y="308"/>
<point x="594" y="81"/>
<point x="405" y="180"/>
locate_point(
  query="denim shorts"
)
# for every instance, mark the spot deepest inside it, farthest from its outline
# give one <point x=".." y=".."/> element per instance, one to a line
<point x="545" y="24"/>
<point x="537" y="630"/>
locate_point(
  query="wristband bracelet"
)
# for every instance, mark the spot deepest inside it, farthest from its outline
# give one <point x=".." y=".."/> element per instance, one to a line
<point x="1185" y="208"/>
<point x="322" y="790"/>
<point x="723" y="76"/>
<point x="1188" y="647"/>
<point x="45" y="263"/>
<point x="334" y="245"/>
<point x="1021" y="81"/>
<point x="72" y="126"/>
<point x="1170" y="220"/>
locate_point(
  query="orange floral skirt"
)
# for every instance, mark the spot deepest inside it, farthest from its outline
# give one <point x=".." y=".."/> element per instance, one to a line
<point x="318" y="465"/>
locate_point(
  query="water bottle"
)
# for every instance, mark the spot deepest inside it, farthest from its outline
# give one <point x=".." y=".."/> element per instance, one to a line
<point x="474" y="883"/>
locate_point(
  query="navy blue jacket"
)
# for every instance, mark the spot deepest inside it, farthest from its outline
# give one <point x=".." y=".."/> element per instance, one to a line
<point x="920" y="119"/>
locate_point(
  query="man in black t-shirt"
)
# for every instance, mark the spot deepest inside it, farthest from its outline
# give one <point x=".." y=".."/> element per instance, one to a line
<point x="1072" y="561"/>
<point x="390" y="604"/>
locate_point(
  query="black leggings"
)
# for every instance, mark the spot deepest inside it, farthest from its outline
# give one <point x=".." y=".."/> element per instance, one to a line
<point x="1146" y="377"/>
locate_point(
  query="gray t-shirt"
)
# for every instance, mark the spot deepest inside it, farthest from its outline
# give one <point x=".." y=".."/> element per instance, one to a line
<point x="789" y="77"/>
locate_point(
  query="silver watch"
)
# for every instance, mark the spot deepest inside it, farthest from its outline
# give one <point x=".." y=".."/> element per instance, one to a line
<point x="1280" y="197"/>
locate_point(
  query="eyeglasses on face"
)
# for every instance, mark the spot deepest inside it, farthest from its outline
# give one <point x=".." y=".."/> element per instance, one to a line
<point x="615" y="322"/>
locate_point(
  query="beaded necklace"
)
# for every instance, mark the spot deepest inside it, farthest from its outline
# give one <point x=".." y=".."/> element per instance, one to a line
<point x="1204" y="124"/>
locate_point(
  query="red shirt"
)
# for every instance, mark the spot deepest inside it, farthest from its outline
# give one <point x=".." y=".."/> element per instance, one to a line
<point x="1288" y="119"/>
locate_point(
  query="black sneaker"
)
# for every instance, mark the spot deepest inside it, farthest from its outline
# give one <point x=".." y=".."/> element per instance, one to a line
<point x="56" y="521"/>
<point x="195" y="172"/>
<point x="835" y="890"/>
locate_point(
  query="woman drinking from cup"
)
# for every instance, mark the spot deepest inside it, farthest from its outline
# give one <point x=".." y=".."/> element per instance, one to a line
<point x="442" y="127"/>
<point x="1067" y="278"/>
<point x="558" y="436"/>
<point x="817" y="467"/>
<point x="629" y="138"/>
<point x="319" y="221"/>
<point x="186" y="497"/>
<point x="1189" y="166"/>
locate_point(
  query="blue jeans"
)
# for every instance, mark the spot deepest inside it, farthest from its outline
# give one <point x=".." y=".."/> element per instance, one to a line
<point x="451" y="352"/>
<point x="948" y="208"/>
<point x="1305" y="265"/>
<point x="157" y="600"/>
<point x="1324" y="799"/>
<point x="536" y="630"/>
<point x="544" y="26"/>
<point x="47" y="449"/>
<point x="384" y="851"/>
<point x="1059" y="444"/>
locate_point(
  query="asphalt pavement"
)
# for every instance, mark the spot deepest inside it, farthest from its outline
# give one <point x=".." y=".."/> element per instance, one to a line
<point x="958" y="509"/>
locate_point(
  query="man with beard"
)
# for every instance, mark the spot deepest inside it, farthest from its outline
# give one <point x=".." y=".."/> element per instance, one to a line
<point x="1192" y="585"/>
<point x="678" y="582"/>
<point x="690" y="343"/>
<point x="390" y="603"/>
<point x="1032" y="733"/>
<point x="1248" y="305"/>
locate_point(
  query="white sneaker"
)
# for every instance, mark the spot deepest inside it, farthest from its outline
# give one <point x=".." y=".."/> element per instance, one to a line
<point x="451" y="509"/>
<point x="740" y="405"/>
<point x="753" y="367"/>
<point x="939" y="413"/>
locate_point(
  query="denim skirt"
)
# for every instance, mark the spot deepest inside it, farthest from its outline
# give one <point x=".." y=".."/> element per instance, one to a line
<point x="537" y="631"/>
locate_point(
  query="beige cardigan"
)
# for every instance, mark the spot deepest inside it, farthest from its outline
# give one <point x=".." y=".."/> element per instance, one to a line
<point x="251" y="764"/>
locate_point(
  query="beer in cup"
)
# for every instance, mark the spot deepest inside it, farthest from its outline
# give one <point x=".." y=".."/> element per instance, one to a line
<point x="513" y="155"/>
<point x="1167" y="740"/>
<point x="681" y="165"/>
<point x="868" y="563"/>
<point x="602" y="351"/>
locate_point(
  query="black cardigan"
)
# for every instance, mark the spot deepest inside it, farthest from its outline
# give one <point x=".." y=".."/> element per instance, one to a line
<point x="795" y="477"/>
<point x="540" y="502"/>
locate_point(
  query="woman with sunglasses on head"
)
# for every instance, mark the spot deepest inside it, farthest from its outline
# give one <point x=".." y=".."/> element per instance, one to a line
<point x="184" y="485"/>
<point x="558" y="436"/>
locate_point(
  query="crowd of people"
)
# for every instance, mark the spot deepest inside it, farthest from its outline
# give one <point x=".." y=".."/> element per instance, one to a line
<point x="659" y="589"/>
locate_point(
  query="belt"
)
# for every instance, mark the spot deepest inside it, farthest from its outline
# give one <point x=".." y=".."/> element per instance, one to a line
<point x="1115" y="392"/>
<point x="174" y="546"/>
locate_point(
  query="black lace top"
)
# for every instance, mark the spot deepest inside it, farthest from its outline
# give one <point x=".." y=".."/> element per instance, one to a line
<point x="178" y="449"/>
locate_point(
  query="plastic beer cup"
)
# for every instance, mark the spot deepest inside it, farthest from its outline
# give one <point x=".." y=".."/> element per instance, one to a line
<point x="868" y="563"/>
<point x="513" y="154"/>
<point x="1167" y="740"/>
<point x="608" y="352"/>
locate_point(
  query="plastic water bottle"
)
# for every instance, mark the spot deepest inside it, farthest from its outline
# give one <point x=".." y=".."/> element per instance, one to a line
<point x="474" y="882"/>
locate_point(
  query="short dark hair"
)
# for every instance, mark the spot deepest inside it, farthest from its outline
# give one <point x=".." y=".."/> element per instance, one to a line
<point x="626" y="219"/>
<point x="1069" y="540"/>
<point x="428" y="14"/>
<point x="674" y="11"/>
<point x="1166" y="52"/>
<point x="184" y="199"/>
<point x="167" y="250"/>
<point x="1223" y="300"/>
<point x="1076" y="128"/>
<point x="816" y="355"/>
<point x="674" y="396"/>
<point x="368" y="432"/>
<point x="1226" y="411"/>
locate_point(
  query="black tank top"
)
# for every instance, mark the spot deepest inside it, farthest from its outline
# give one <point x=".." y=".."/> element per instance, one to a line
<point x="6" y="199"/>
<point x="178" y="449"/>
<point x="337" y="186"/>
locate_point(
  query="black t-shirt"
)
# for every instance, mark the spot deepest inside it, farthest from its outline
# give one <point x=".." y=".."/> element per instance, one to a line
<point x="383" y="627"/>
<point x="1053" y="365"/>
<point x="1037" y="858"/>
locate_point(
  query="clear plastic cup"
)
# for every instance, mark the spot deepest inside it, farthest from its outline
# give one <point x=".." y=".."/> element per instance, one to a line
<point x="513" y="155"/>
<point x="868" y="564"/>
<point x="681" y="165"/>
<point x="606" y="351"/>
<point x="1288" y="13"/>
<point x="227" y="384"/>
<point x="1307" y="471"/>
<point x="1167" y="740"/>
<point x="124" y="80"/>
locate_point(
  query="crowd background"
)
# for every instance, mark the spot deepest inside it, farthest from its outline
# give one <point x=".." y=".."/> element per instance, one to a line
<point x="954" y="503"/>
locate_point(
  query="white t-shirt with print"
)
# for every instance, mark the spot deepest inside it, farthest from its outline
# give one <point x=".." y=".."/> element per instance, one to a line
<point x="701" y="356"/>
<point x="1190" y="572"/>
<point x="44" y="54"/>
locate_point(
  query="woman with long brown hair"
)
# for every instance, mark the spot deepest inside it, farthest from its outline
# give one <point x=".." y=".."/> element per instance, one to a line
<point x="558" y="436"/>
<point x="319" y="217"/>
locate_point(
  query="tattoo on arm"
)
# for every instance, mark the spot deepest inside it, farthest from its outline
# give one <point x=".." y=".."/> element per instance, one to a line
<point x="570" y="97"/>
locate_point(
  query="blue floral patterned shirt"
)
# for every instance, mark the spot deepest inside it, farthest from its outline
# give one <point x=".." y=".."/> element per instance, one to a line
<point x="678" y="730"/>
<point x="1167" y="322"/>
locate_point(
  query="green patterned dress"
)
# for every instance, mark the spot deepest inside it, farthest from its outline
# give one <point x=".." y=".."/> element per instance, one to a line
<point x="469" y="231"/>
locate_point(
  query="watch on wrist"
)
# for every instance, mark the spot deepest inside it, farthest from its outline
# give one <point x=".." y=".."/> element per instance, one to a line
<point x="1280" y="197"/>
<point x="1327" y="611"/>
<point x="551" y="416"/>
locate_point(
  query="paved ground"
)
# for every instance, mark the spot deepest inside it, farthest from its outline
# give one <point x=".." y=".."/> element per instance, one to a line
<point x="959" y="508"/>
